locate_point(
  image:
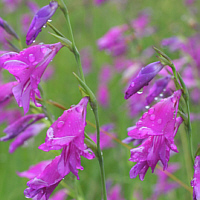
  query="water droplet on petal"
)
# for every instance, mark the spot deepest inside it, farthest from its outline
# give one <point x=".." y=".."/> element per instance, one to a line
<point x="151" y="110"/>
<point x="147" y="107"/>
<point x="161" y="95"/>
<point x="159" y="121"/>
<point x="60" y="124"/>
<point x="144" y="115"/>
<point x="140" y="92"/>
<point x="45" y="26"/>
<point x="49" y="20"/>
<point x="79" y="109"/>
<point x="152" y="117"/>
<point x="43" y="49"/>
<point x="132" y="84"/>
<point x="33" y="41"/>
<point x="156" y="98"/>
<point x="50" y="133"/>
<point x="139" y="122"/>
<point x="31" y="58"/>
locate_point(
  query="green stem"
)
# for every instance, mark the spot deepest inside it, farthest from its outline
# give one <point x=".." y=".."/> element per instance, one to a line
<point x="75" y="50"/>
<point x="100" y="154"/>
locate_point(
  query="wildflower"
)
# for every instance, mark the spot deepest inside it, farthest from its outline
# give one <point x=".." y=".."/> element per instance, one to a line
<point x="61" y="195"/>
<point x="68" y="133"/>
<point x="103" y="95"/>
<point x="86" y="60"/>
<point x="145" y="75"/>
<point x="28" y="133"/>
<point x="114" y="41"/>
<point x="39" y="20"/>
<point x="195" y="183"/>
<point x="28" y="66"/>
<point x="20" y="125"/>
<point x="163" y="186"/>
<point x="157" y="89"/>
<point x="105" y="140"/>
<point x="45" y="182"/>
<point x="158" y="128"/>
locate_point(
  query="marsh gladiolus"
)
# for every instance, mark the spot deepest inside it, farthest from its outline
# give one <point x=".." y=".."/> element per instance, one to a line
<point x="39" y="20"/>
<point x="28" y="66"/>
<point x="145" y="75"/>
<point x="158" y="128"/>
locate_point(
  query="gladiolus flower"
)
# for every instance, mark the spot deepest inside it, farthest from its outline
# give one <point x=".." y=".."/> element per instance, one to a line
<point x="39" y="20"/>
<point x="28" y="66"/>
<point x="195" y="183"/>
<point x="158" y="128"/>
<point x="145" y="75"/>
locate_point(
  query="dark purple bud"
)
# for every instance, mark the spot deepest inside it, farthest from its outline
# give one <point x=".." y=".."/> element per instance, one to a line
<point x="8" y="28"/>
<point x="39" y="20"/>
<point x="145" y="75"/>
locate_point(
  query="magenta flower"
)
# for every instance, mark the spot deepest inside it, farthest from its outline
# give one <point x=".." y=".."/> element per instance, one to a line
<point x="195" y="183"/>
<point x="28" y="66"/>
<point x="44" y="183"/>
<point x="145" y="75"/>
<point x="174" y="43"/>
<point x="86" y="60"/>
<point x="106" y="140"/>
<point x="28" y="133"/>
<point x="103" y="96"/>
<point x="114" y="41"/>
<point x="68" y="133"/>
<point x="39" y="20"/>
<point x="115" y="193"/>
<point x="157" y="89"/>
<point x="35" y="170"/>
<point x="60" y="195"/>
<point x="20" y="125"/>
<point x="158" y="128"/>
<point x="6" y="91"/>
<point x="163" y="186"/>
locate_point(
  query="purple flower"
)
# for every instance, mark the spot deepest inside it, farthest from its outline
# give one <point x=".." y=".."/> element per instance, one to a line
<point x="115" y="193"/>
<point x="157" y="89"/>
<point x="44" y="183"/>
<point x="20" y="125"/>
<point x="103" y="95"/>
<point x="158" y="128"/>
<point x="6" y="91"/>
<point x="28" y="66"/>
<point x="86" y="59"/>
<point x="145" y="75"/>
<point x="106" y="140"/>
<point x="39" y="20"/>
<point x="60" y="195"/>
<point x="28" y="133"/>
<point x="99" y="2"/>
<point x="11" y="5"/>
<point x="114" y="41"/>
<point x="195" y="183"/>
<point x="163" y="186"/>
<point x="35" y="170"/>
<point x="68" y="133"/>
<point x="174" y="43"/>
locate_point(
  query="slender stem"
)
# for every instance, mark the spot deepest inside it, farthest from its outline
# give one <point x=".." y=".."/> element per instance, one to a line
<point x="75" y="50"/>
<point x="100" y="154"/>
<point x="119" y="141"/>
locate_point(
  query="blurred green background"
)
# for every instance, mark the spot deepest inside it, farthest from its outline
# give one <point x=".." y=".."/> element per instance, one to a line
<point x="89" y="23"/>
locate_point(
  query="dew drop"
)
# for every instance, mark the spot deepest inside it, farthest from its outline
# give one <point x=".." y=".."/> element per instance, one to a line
<point x="45" y="26"/>
<point x="156" y="98"/>
<point x="151" y="110"/>
<point x="31" y="58"/>
<point x="49" y="20"/>
<point x="79" y="109"/>
<point x="147" y="107"/>
<point x="50" y="133"/>
<point x="161" y="95"/>
<point x="144" y="115"/>
<point x="159" y="121"/>
<point x="60" y="124"/>
<point x="140" y="92"/>
<point x="152" y="117"/>
<point x="33" y="41"/>
<point x="139" y="122"/>
<point x="43" y="49"/>
<point x="132" y="84"/>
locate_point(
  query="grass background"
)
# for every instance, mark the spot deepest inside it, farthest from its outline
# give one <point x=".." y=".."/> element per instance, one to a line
<point x="89" y="23"/>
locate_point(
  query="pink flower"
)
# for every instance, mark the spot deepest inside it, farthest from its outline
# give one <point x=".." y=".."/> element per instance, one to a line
<point x="195" y="183"/>
<point x="28" y="66"/>
<point x="68" y="133"/>
<point x="103" y="95"/>
<point x="158" y="128"/>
